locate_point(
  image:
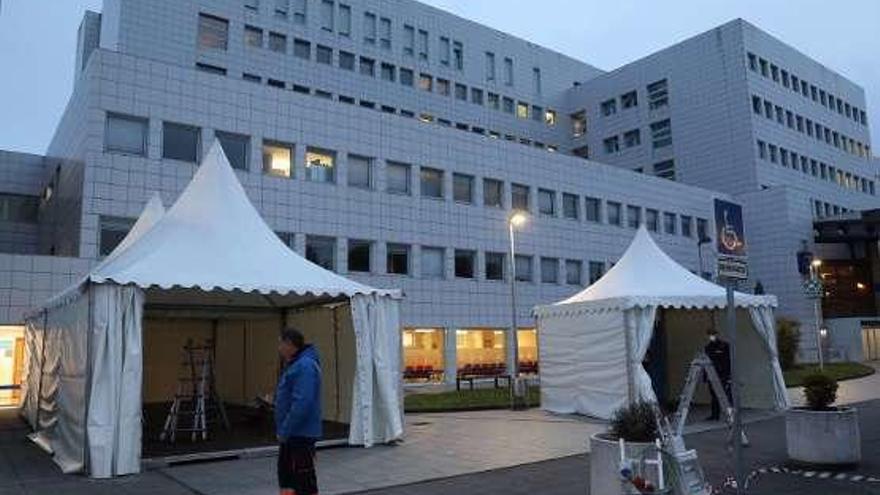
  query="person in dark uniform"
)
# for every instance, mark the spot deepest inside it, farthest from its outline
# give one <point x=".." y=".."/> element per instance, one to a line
<point x="718" y="352"/>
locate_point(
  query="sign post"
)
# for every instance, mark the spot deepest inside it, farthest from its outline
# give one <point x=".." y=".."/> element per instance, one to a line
<point x="732" y="267"/>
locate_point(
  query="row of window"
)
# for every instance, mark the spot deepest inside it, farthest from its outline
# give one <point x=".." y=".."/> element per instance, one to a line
<point x="807" y="90"/>
<point x="661" y="137"/>
<point x="370" y="67"/>
<point x="816" y="168"/>
<point x="280" y="9"/>
<point x="795" y="121"/>
<point x="823" y="209"/>
<point x="658" y="97"/>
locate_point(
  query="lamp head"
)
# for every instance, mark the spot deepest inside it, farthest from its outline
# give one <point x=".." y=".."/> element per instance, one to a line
<point x="816" y="263"/>
<point x="518" y="219"/>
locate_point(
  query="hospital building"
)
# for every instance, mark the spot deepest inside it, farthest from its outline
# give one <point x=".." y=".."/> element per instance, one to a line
<point x="390" y="141"/>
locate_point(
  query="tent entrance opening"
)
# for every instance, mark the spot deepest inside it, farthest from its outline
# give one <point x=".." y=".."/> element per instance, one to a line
<point x="11" y="364"/>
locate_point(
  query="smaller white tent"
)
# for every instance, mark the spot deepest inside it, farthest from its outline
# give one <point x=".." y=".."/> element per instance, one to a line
<point x="592" y="344"/>
<point x="210" y="256"/>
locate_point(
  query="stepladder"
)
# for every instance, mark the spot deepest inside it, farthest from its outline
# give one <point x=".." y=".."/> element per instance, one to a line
<point x="197" y="407"/>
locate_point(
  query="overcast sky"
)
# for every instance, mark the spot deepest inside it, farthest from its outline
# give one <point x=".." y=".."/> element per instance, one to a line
<point x="38" y="41"/>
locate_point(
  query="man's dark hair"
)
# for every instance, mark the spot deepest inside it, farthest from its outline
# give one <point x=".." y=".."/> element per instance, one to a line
<point x="293" y="336"/>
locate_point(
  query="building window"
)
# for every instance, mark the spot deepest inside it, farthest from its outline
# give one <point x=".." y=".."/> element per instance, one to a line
<point x="632" y="138"/>
<point x="385" y="33"/>
<point x="490" y="66"/>
<point x="397" y="177"/>
<point x="321" y="251"/>
<point x="523" y="264"/>
<point x="458" y="55"/>
<point x="549" y="270"/>
<point x="302" y="49"/>
<point x="546" y="202"/>
<point x="492" y="192"/>
<point x="633" y="216"/>
<point x="494" y="266"/>
<point x="236" y="147"/>
<point x="344" y="20"/>
<point x="465" y="263"/>
<point x="614" y="211"/>
<point x="463" y="188"/>
<point x="579" y="124"/>
<point x="629" y="100"/>
<point x="180" y="142"/>
<point x="360" y="172"/>
<point x="686" y="226"/>
<point x="327" y="9"/>
<point x="570" y="206"/>
<point x="388" y="72"/>
<point x="320" y="165"/>
<point x="582" y="152"/>
<point x="252" y="6"/>
<point x="423" y="355"/>
<point x="346" y="60"/>
<point x="431" y="180"/>
<point x="126" y="134"/>
<point x="593" y="209"/>
<point x="608" y="107"/>
<point x="113" y="230"/>
<point x="277" y="159"/>
<point x="278" y="42"/>
<point x="522" y="110"/>
<point x="461" y="92"/>
<point x="406" y="77"/>
<point x="299" y="11"/>
<point x="425" y="82"/>
<point x="665" y="169"/>
<point x="508" y="105"/>
<point x="652" y="220"/>
<point x="433" y="263"/>
<point x="359" y="255"/>
<point x="324" y="55"/>
<point x="661" y="133"/>
<point x="536" y="80"/>
<point x="611" y="145"/>
<point x="281" y="9"/>
<point x="397" y="259"/>
<point x="409" y="40"/>
<point x="573" y="275"/>
<point x="550" y="117"/>
<point x="597" y="270"/>
<point x="508" y="71"/>
<point x="253" y="36"/>
<point x="702" y="228"/>
<point x="658" y="94"/>
<point x="211" y="69"/>
<point x="519" y="197"/>
<point x="423" y="44"/>
<point x="669" y="223"/>
<point x="213" y="32"/>
<point x="445" y="50"/>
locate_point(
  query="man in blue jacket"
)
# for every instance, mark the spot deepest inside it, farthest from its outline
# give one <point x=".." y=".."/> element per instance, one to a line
<point x="298" y="414"/>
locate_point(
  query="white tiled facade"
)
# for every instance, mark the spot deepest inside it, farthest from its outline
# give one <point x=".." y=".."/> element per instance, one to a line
<point x="149" y="62"/>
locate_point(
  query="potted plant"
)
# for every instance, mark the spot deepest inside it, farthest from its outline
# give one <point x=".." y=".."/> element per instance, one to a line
<point x="637" y="426"/>
<point x="821" y="433"/>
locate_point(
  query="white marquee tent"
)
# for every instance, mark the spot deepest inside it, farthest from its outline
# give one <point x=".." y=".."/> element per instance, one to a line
<point x="96" y="350"/>
<point x="592" y="344"/>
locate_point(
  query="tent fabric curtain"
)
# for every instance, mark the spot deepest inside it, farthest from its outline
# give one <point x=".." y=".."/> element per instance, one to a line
<point x="764" y="324"/>
<point x="114" y="405"/>
<point x="34" y="336"/>
<point x="375" y="414"/>
<point x="641" y="330"/>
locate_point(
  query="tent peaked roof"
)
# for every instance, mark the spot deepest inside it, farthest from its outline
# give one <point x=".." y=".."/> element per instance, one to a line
<point x="151" y="214"/>
<point x="647" y="276"/>
<point x="213" y="238"/>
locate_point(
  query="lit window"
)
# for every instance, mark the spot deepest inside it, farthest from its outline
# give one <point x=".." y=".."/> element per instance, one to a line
<point x="550" y="117"/>
<point x="277" y="159"/>
<point x="522" y="110"/>
<point x="320" y="165"/>
<point x="125" y="134"/>
<point x="480" y="351"/>
<point x="425" y="82"/>
<point x="579" y="123"/>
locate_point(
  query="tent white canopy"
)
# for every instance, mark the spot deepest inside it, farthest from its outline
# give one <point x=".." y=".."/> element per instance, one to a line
<point x="211" y="250"/>
<point x="592" y="344"/>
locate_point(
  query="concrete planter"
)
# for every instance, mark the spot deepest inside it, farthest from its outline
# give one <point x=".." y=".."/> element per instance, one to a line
<point x="823" y="437"/>
<point x="605" y="464"/>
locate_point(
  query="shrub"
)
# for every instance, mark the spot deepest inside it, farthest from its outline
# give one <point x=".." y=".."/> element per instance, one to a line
<point x="788" y="336"/>
<point x="820" y="390"/>
<point x="634" y="423"/>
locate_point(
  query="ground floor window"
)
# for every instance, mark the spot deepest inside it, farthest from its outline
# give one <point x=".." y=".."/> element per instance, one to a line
<point x="11" y="364"/>
<point x="480" y="351"/>
<point x="423" y="354"/>
<point x="527" y="343"/>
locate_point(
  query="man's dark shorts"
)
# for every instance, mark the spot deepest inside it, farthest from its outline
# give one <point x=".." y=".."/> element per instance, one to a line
<point x="296" y="467"/>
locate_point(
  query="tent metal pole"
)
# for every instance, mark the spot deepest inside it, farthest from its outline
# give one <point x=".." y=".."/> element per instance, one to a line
<point x="88" y="384"/>
<point x="336" y="361"/>
<point x="630" y="383"/>
<point x="42" y="370"/>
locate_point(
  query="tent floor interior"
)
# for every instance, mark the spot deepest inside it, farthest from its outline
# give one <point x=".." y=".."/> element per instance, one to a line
<point x="249" y="428"/>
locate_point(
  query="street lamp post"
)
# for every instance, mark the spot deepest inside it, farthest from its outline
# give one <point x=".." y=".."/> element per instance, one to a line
<point x="817" y="309"/>
<point x="517" y="219"/>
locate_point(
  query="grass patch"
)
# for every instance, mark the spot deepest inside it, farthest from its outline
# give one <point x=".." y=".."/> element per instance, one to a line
<point x="839" y="371"/>
<point x="466" y="400"/>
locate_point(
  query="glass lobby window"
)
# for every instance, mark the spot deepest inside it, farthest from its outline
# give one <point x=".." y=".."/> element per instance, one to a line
<point x="359" y="255"/>
<point x="321" y="251"/>
<point x="519" y="197"/>
<point x="397" y="178"/>
<point x="320" y="165"/>
<point x="125" y="134"/>
<point x="494" y="266"/>
<point x="433" y="262"/>
<point x="213" y="32"/>
<point x="480" y="351"/>
<point x="431" y="180"/>
<point x="360" y="171"/>
<point x="492" y="192"/>
<point x="113" y="230"/>
<point x="523" y="265"/>
<point x="465" y="263"/>
<point x="527" y="347"/>
<point x="397" y="259"/>
<point x="423" y="354"/>
<point x="12" y="363"/>
<point x="573" y="270"/>
<point x="549" y="270"/>
<point x="277" y="159"/>
<point x="180" y="142"/>
<point x="463" y="188"/>
<point x="236" y="147"/>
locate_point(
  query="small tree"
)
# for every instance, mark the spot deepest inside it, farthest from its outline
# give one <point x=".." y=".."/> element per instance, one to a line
<point x="635" y="423"/>
<point x="788" y="337"/>
<point x="820" y="390"/>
